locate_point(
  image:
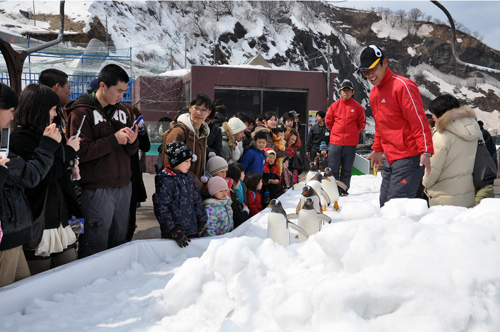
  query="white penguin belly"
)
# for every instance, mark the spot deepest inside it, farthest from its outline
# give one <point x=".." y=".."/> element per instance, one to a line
<point x="277" y="230"/>
<point x="309" y="222"/>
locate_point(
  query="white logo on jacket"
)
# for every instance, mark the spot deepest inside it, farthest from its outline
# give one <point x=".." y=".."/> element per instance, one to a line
<point x="117" y="116"/>
<point x="383" y="101"/>
<point x="352" y="111"/>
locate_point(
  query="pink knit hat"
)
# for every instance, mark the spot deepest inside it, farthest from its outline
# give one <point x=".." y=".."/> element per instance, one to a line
<point x="216" y="184"/>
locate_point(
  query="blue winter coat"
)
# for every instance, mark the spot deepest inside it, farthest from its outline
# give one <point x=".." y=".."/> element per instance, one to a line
<point x="253" y="160"/>
<point x="177" y="203"/>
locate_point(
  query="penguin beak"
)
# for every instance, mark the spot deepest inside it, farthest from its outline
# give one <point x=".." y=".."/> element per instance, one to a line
<point x="271" y="205"/>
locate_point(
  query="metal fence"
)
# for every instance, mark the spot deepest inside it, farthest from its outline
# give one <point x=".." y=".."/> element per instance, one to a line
<point x="79" y="83"/>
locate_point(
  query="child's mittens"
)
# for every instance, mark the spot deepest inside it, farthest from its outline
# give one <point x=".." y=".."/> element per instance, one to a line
<point x="181" y="239"/>
<point x="245" y="209"/>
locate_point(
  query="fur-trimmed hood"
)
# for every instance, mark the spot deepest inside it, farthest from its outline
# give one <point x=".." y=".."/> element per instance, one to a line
<point x="228" y="135"/>
<point x="461" y="122"/>
<point x="256" y="130"/>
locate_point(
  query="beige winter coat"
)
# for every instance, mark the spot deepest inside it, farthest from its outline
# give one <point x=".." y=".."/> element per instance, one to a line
<point x="455" y="140"/>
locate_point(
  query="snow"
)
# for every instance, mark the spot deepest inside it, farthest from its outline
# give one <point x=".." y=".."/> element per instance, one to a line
<point x="425" y="30"/>
<point x="404" y="267"/>
<point x="384" y="30"/>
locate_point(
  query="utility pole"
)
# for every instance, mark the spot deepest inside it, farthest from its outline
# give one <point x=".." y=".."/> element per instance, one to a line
<point x="107" y="48"/>
<point x="328" y="77"/>
<point x="34" y="15"/>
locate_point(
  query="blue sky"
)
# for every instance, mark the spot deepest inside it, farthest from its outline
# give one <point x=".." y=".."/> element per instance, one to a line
<point x="480" y="16"/>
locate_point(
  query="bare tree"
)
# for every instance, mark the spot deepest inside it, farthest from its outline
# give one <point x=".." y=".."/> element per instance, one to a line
<point x="387" y="12"/>
<point x="400" y="14"/>
<point x="414" y="14"/>
<point x="409" y="26"/>
<point x="216" y="8"/>
<point x="228" y="7"/>
<point x="393" y="20"/>
<point x="428" y="18"/>
<point x="269" y="10"/>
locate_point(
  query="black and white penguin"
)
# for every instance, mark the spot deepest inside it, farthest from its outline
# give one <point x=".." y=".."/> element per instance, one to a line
<point x="316" y="183"/>
<point x="309" y="219"/>
<point x="278" y="225"/>
<point x="313" y="170"/>
<point x="309" y="191"/>
<point x="330" y="186"/>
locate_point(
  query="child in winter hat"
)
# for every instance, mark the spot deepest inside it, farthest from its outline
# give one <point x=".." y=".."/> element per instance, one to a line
<point x="321" y="159"/>
<point x="177" y="202"/>
<point x="177" y="152"/>
<point x="217" y="166"/>
<point x="218" y="208"/>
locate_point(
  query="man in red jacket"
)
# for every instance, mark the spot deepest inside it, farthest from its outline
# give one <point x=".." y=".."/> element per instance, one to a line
<point x="402" y="131"/>
<point x="345" y="119"/>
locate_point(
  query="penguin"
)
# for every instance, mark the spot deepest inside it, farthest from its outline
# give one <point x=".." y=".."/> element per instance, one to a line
<point x="315" y="182"/>
<point x="331" y="187"/>
<point x="309" y="191"/>
<point x="309" y="219"/>
<point x="313" y="170"/>
<point x="329" y="174"/>
<point x="278" y="225"/>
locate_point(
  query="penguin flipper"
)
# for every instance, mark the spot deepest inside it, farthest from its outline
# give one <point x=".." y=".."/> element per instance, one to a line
<point x="298" y="186"/>
<point x="324" y="217"/>
<point x="341" y="184"/>
<point x="292" y="216"/>
<point x="298" y="229"/>
<point x="326" y="196"/>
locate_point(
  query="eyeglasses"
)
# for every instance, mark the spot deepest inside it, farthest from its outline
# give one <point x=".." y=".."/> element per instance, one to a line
<point x="367" y="72"/>
<point x="201" y="110"/>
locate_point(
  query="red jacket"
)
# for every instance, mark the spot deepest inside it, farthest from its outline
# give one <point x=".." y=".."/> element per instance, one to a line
<point x="401" y="127"/>
<point x="345" y="120"/>
<point x="254" y="200"/>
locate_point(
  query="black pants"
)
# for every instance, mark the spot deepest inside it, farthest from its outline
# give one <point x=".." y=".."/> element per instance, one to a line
<point x="401" y="179"/>
<point x="341" y="156"/>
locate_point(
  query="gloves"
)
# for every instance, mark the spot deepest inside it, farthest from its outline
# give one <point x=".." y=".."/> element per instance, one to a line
<point x="245" y="209"/>
<point x="181" y="239"/>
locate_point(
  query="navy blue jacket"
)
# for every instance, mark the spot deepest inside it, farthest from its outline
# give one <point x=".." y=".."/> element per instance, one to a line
<point x="177" y="203"/>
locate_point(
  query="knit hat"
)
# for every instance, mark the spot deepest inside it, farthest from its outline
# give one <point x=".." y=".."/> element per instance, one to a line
<point x="216" y="164"/>
<point x="270" y="150"/>
<point x="323" y="146"/>
<point x="236" y="125"/>
<point x="216" y="184"/>
<point x="177" y="152"/>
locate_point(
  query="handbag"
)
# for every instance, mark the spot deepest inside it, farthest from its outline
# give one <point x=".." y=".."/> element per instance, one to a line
<point x="299" y="162"/>
<point x="485" y="169"/>
<point x="38" y="226"/>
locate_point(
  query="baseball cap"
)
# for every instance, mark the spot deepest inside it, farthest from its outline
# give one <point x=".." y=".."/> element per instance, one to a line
<point x="346" y="84"/>
<point x="370" y="57"/>
<point x="292" y="112"/>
